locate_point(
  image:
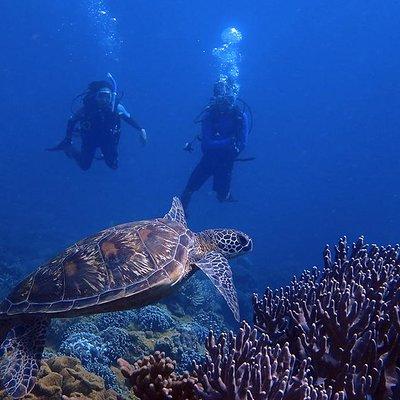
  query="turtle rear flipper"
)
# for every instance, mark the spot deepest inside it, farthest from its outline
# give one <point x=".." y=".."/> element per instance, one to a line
<point x="22" y="351"/>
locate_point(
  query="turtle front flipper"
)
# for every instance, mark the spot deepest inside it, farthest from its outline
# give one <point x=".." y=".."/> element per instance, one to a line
<point x="22" y="351"/>
<point x="217" y="268"/>
<point x="176" y="213"/>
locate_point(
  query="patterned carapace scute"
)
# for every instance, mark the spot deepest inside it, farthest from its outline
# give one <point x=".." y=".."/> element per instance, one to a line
<point x="117" y="262"/>
<point x="344" y="319"/>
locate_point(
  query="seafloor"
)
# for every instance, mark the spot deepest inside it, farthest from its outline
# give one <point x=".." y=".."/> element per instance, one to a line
<point x="331" y="334"/>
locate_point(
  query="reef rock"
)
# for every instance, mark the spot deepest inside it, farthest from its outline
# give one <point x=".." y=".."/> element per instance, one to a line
<point x="65" y="378"/>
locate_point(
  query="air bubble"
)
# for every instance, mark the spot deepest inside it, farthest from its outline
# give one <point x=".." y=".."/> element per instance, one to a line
<point x="104" y="28"/>
<point x="228" y="57"/>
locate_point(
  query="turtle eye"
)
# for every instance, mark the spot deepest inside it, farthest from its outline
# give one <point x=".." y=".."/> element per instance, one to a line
<point x="243" y="240"/>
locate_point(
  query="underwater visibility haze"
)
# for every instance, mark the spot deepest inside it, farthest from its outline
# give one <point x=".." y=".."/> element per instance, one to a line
<point x="314" y="90"/>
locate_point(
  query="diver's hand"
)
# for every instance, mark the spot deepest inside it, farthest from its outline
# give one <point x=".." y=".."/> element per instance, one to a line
<point x="143" y="136"/>
<point x="63" y="145"/>
<point x="188" y="147"/>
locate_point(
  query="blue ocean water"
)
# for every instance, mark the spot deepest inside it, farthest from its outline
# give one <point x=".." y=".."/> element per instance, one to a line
<point x="322" y="79"/>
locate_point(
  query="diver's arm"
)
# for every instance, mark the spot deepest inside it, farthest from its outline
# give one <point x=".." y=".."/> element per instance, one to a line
<point x="126" y="116"/>
<point x="129" y="120"/>
<point x="72" y="121"/>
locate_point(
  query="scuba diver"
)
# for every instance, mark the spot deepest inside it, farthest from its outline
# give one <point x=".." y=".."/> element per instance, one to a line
<point x="224" y="132"/>
<point x="98" y="122"/>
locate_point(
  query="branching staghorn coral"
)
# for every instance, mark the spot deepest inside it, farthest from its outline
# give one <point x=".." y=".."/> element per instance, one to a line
<point x="241" y="367"/>
<point x="345" y="319"/>
<point x="245" y="367"/>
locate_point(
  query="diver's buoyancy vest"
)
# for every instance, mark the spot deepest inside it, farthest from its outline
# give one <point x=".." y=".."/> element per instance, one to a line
<point x="237" y="116"/>
<point x="98" y="121"/>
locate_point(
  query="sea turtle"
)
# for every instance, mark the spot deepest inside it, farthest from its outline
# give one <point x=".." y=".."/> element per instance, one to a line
<point x="125" y="266"/>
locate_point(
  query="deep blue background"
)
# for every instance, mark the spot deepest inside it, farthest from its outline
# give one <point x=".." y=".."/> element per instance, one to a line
<point x="322" y="79"/>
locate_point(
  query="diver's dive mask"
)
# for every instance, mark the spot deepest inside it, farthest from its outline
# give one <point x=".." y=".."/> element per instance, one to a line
<point x="104" y="97"/>
<point x="224" y="102"/>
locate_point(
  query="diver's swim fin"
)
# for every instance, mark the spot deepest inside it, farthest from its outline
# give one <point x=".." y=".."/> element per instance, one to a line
<point x="245" y="159"/>
<point x="62" y="146"/>
<point x="56" y="148"/>
<point x="21" y="353"/>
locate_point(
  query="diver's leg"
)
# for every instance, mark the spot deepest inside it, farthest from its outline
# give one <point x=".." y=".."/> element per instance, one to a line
<point x="109" y="148"/>
<point x="196" y="180"/>
<point x="83" y="157"/>
<point x="223" y="178"/>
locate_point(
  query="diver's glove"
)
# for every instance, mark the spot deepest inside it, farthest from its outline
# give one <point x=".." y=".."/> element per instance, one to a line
<point x="188" y="147"/>
<point x="143" y="136"/>
<point x="63" y="145"/>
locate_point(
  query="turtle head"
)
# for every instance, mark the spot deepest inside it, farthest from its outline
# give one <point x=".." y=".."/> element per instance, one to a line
<point x="229" y="242"/>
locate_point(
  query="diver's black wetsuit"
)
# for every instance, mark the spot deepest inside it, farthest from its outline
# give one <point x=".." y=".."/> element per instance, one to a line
<point x="98" y="127"/>
<point x="224" y="135"/>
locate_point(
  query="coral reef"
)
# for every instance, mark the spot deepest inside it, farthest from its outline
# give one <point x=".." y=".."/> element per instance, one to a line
<point x="192" y="331"/>
<point x="185" y="345"/>
<point x="238" y="367"/>
<point x="154" y="318"/>
<point x="60" y="329"/>
<point x="190" y="345"/>
<point x="117" y="343"/>
<point x="120" y="319"/>
<point x="187" y="358"/>
<point x="154" y="378"/>
<point x="64" y="377"/>
<point x="244" y="367"/>
<point x="98" y="341"/>
<point x="210" y="320"/>
<point x="91" y="350"/>
<point x="329" y="335"/>
<point x="345" y="320"/>
<point x="81" y="326"/>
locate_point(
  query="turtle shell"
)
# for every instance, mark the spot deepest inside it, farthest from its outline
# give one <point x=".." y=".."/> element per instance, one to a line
<point x="137" y="261"/>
